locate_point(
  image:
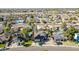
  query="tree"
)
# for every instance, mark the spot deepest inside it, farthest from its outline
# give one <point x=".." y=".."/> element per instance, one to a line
<point x="7" y="28"/>
<point x="72" y="19"/>
<point x="24" y="31"/>
<point x="24" y="17"/>
<point x="32" y="20"/>
<point x="10" y="18"/>
<point x="32" y="16"/>
<point x="70" y="33"/>
<point x="7" y="33"/>
<point x="44" y="21"/>
<point x="63" y="26"/>
<point x="50" y="32"/>
<point x="1" y="19"/>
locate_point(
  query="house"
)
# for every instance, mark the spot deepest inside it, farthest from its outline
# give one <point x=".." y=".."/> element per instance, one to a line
<point x="40" y="26"/>
<point x="18" y="26"/>
<point x="77" y="27"/>
<point x="3" y="38"/>
<point x="58" y="19"/>
<point x="1" y="28"/>
<point x="41" y="37"/>
<point x="58" y="36"/>
<point x="45" y="19"/>
<point x="28" y="18"/>
<point x="1" y="19"/>
<point x="29" y="35"/>
<point x="37" y="19"/>
<point x="19" y="21"/>
<point x="20" y="38"/>
<point x="76" y="37"/>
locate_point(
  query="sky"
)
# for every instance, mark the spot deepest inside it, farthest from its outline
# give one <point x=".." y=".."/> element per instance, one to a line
<point x="39" y="3"/>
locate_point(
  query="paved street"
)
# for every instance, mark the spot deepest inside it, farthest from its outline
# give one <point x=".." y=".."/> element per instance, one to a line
<point x="44" y="48"/>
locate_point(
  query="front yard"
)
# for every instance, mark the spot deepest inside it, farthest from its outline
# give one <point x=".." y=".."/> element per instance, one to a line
<point x="70" y="43"/>
<point x="27" y="43"/>
<point x="2" y="45"/>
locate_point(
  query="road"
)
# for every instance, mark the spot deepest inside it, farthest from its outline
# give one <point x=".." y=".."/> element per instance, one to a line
<point x="44" y="48"/>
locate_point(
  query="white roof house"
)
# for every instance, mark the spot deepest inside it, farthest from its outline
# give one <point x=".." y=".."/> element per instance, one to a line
<point x="76" y="36"/>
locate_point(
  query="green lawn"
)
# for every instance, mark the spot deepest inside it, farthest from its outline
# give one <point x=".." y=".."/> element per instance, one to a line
<point x="28" y="42"/>
<point x="69" y="43"/>
<point x="2" y="45"/>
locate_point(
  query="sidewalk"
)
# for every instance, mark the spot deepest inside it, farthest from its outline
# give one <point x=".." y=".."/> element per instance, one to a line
<point x="14" y="45"/>
<point x="49" y="43"/>
<point x="52" y="44"/>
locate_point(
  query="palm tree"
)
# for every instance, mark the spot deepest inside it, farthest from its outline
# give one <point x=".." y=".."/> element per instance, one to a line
<point x="24" y="17"/>
<point x="70" y="33"/>
<point x="7" y="30"/>
<point x="63" y="26"/>
<point x="23" y="32"/>
<point x="10" y="18"/>
<point x="50" y="32"/>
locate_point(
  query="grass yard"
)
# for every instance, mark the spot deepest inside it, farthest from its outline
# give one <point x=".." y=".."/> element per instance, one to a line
<point x="28" y="42"/>
<point x="69" y="43"/>
<point x="2" y="45"/>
